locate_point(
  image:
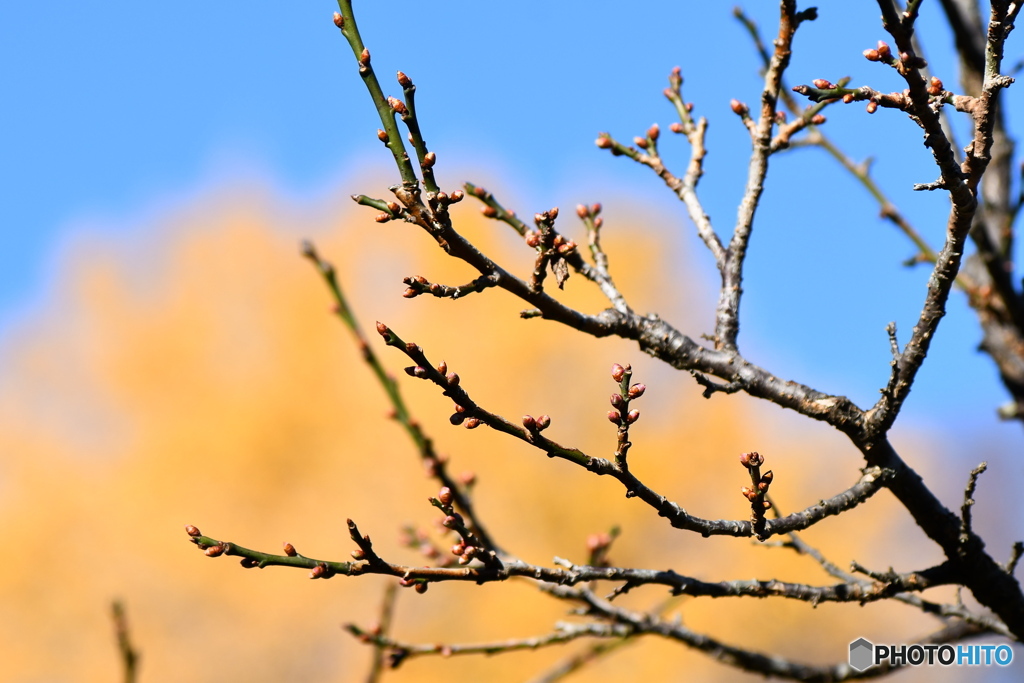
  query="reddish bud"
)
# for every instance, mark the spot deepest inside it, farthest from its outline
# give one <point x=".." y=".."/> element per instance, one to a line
<point x="633" y="416"/>
<point x="751" y="459"/>
<point x="457" y="196"/>
<point x="689" y="107"/>
<point x="935" y="86"/>
<point x="489" y="211"/>
<point x="748" y="493"/>
<point x="289" y="550"/>
<point x="442" y="368"/>
<point x="847" y="98"/>
<point x="637" y="390"/>
<point x="445" y="495"/>
<point x="192" y="531"/>
<point x="872" y="55"/>
<point x="614" y="418"/>
<point x="529" y="422"/>
<point x="339" y="20"/>
<point x="382" y="135"/>
<point x="404" y="80"/>
<point x="676" y="127"/>
<point x="460" y="409"/>
<point x="532" y="238"/>
<point x="766" y="504"/>
<point x="458" y="549"/>
<point x="617" y="401"/>
<point x="738" y="108"/>
<point x="394" y="207"/>
<point x="595" y="208"/>
<point x="416" y="370"/>
<point x="214" y="551"/>
<point x="382" y="217"/>
<point x="382" y="329"/>
<point x="653" y="132"/>
<point x="824" y="84"/>
<point x="397" y="105"/>
<point x="767" y="477"/>
<point x="581" y="211"/>
<point x="604" y="142"/>
<point x="358" y="554"/>
<point x="618" y="372"/>
<point x="640" y="142"/>
<point x="553" y="212"/>
<point x="818" y="119"/>
<point x="453" y="379"/>
<point x="364" y="57"/>
<point x="883" y="50"/>
<point x="472" y="423"/>
<point x="598" y="222"/>
<point x="543" y="422"/>
<point x="421" y="587"/>
<point x="318" y="572"/>
<point x="429" y="159"/>
<point x="872" y="106"/>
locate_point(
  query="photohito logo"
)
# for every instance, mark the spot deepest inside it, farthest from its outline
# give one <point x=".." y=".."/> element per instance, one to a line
<point x="864" y="654"/>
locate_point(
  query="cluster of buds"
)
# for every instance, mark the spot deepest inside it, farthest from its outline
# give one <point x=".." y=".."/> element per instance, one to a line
<point x="880" y="54"/>
<point x="651" y="138"/>
<point x="465" y="550"/>
<point x="756" y="494"/>
<point x="935" y="88"/>
<point x="622" y="415"/>
<point x="538" y="424"/>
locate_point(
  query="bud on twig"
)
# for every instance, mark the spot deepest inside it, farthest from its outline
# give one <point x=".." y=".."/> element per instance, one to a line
<point x="339" y="20"/>
<point x="289" y="550"/>
<point x="404" y="80"/>
<point x="364" y="57"/>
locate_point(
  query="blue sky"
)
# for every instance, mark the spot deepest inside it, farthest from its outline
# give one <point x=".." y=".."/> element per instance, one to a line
<point x="117" y="109"/>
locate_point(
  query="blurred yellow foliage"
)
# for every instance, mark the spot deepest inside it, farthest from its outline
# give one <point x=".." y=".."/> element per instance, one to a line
<point x="190" y="372"/>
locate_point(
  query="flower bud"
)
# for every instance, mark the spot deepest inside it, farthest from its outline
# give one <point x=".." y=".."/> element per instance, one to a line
<point x="289" y="550"/>
<point x="543" y="422"/>
<point x="339" y="20"/>
<point x="442" y="368"/>
<point x="383" y="136"/>
<point x="847" y="98"/>
<point x="739" y="108"/>
<point x="397" y="105"/>
<point x="604" y="142"/>
<point x="872" y="55"/>
<point x="318" y="571"/>
<point x="640" y="142"/>
<point x="214" y="550"/>
<point x="872" y="106"/>
<point x="595" y="208"/>
<point x="529" y="422"/>
<point x="883" y="50"/>
<point x="192" y="531"/>
<point x="614" y="418"/>
<point x="818" y="119"/>
<point x="421" y="587"/>
<point x="935" y="86"/>
<point x="676" y="127"/>
<point x="457" y="196"/>
<point x="382" y="217"/>
<point x="618" y="401"/>
<point x="404" y="80"/>
<point x="358" y="554"/>
<point x="637" y="390"/>
<point x="472" y="423"/>
<point x="581" y="211"/>
<point x="653" y="132"/>
<point x="633" y="416"/>
<point x="618" y="372"/>
<point x="489" y="211"/>
<point x="445" y="495"/>
<point x="453" y="379"/>
<point x="429" y="159"/>
<point x="823" y="84"/>
<point x="364" y="57"/>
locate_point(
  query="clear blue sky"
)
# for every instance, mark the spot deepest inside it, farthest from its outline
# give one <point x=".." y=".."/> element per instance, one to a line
<point x="113" y="108"/>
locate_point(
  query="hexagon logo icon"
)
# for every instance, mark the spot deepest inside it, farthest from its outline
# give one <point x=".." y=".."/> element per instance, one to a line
<point x="862" y="654"/>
